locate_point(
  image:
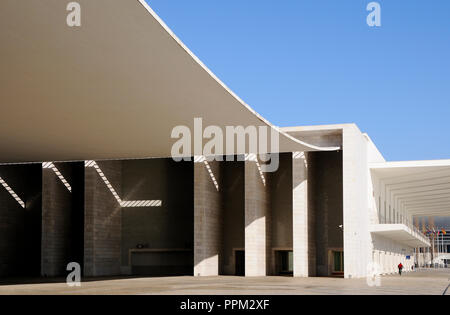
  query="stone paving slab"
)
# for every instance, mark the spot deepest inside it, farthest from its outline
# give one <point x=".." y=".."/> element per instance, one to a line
<point x="422" y="282"/>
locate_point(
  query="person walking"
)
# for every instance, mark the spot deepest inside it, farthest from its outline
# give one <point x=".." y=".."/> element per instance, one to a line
<point x="400" y="268"/>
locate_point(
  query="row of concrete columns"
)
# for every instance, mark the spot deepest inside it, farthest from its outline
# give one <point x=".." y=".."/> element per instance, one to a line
<point x="94" y="238"/>
<point x="208" y="218"/>
<point x="81" y="221"/>
<point x="76" y="217"/>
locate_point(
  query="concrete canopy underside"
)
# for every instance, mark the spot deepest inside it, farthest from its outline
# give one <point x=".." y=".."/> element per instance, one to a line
<point x="113" y="88"/>
<point x="422" y="188"/>
<point x="400" y="233"/>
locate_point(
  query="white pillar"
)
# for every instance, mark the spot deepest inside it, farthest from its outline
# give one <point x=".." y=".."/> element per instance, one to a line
<point x="207" y="217"/>
<point x="302" y="240"/>
<point x="257" y="206"/>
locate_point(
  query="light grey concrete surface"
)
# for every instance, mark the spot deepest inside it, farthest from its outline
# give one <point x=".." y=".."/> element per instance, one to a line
<point x="257" y="220"/>
<point x="303" y="227"/>
<point x="103" y="220"/>
<point x="424" y="282"/>
<point x="208" y="218"/>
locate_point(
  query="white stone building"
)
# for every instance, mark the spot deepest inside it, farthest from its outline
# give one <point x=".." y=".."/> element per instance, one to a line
<point x="86" y="118"/>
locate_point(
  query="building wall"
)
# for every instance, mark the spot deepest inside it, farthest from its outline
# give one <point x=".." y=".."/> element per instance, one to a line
<point x="388" y="254"/>
<point x="199" y="225"/>
<point x="383" y="209"/>
<point x="103" y="221"/>
<point x="168" y="229"/>
<point x="20" y="228"/>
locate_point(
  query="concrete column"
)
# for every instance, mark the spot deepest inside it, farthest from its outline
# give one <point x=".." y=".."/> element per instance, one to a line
<point x="357" y="248"/>
<point x="103" y="218"/>
<point x="56" y="218"/>
<point x="390" y="263"/>
<point x="257" y="219"/>
<point x="302" y="241"/>
<point x="208" y="219"/>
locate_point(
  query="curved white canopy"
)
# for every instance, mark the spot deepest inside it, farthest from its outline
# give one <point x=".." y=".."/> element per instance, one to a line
<point x="113" y="88"/>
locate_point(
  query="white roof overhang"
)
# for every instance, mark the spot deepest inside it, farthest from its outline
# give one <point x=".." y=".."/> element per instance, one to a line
<point x="113" y="88"/>
<point x="422" y="188"/>
<point x="400" y="233"/>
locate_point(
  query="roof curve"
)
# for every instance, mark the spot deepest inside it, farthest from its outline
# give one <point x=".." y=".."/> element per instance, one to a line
<point x="113" y="88"/>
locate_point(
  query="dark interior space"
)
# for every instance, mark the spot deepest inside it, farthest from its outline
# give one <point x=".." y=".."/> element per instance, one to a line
<point x="284" y="262"/>
<point x="325" y="194"/>
<point x="20" y="226"/>
<point x="240" y="263"/>
<point x="280" y="225"/>
<point x="77" y="215"/>
<point x="233" y="237"/>
<point x="159" y="240"/>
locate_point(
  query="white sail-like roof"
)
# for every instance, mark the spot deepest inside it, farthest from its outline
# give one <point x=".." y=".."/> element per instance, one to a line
<point x="113" y="88"/>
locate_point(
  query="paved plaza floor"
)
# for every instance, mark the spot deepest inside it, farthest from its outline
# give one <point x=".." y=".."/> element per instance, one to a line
<point x="419" y="282"/>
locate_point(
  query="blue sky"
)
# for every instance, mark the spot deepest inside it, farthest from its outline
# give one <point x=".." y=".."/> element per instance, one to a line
<point x="308" y="62"/>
